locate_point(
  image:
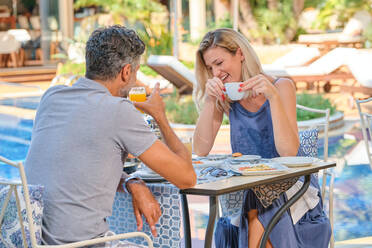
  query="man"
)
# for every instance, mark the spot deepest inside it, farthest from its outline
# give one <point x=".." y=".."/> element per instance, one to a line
<point x="82" y="135"/>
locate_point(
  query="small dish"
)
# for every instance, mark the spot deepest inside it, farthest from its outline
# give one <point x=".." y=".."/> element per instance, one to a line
<point x="295" y="161"/>
<point x="245" y="158"/>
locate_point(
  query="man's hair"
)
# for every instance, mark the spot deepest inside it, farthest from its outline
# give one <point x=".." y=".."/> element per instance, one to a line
<point x="109" y="49"/>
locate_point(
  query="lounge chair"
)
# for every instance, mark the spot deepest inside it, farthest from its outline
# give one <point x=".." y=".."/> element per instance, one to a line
<point x="359" y="65"/>
<point x="351" y="35"/>
<point x="299" y="56"/>
<point x="326" y="68"/>
<point x="174" y="71"/>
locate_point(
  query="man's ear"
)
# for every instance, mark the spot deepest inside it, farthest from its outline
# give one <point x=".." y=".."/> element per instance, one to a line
<point x="126" y="72"/>
<point x="240" y="54"/>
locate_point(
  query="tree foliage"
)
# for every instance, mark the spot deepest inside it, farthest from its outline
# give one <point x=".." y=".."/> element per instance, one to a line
<point x="138" y="13"/>
<point x="342" y="9"/>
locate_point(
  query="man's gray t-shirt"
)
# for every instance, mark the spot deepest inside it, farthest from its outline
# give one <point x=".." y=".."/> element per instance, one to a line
<point x="81" y="137"/>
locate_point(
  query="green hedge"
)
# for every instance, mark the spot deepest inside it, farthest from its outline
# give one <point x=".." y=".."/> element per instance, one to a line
<point x="316" y="101"/>
<point x="181" y="109"/>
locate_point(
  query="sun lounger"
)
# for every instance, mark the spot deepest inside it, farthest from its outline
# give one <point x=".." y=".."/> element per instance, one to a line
<point x="326" y="68"/>
<point x="174" y="71"/>
<point x="299" y="56"/>
<point x="359" y="65"/>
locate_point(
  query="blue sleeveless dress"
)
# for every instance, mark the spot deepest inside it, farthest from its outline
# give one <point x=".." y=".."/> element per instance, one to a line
<point x="252" y="133"/>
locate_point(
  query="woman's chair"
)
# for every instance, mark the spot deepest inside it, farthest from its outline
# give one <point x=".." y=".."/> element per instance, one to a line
<point x="323" y="124"/>
<point x="366" y="121"/>
<point x="31" y="238"/>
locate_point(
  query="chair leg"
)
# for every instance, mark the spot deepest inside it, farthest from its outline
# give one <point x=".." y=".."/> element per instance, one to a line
<point x="20" y="218"/>
<point x="5" y="204"/>
<point x="331" y="183"/>
<point x="22" y="57"/>
<point x="13" y="57"/>
<point x="324" y="181"/>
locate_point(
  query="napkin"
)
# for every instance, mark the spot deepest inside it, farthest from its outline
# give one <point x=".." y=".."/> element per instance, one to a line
<point x="307" y="202"/>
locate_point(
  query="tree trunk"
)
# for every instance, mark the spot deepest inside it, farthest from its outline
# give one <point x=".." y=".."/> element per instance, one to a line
<point x="247" y="20"/>
<point x="298" y="6"/>
<point x="272" y="4"/>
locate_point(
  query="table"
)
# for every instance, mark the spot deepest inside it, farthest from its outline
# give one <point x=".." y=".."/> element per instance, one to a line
<point x="233" y="184"/>
<point x="9" y="20"/>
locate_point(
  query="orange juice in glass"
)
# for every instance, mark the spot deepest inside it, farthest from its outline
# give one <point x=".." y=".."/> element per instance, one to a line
<point x="137" y="94"/>
<point x="187" y="141"/>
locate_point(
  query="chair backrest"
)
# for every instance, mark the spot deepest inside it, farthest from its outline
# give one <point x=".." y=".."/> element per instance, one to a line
<point x="321" y="122"/>
<point x="358" y="65"/>
<point x="366" y="121"/>
<point x="23" y="22"/>
<point x="13" y="187"/>
<point x="299" y="56"/>
<point x="333" y="59"/>
<point x="35" y="22"/>
<point x="174" y="71"/>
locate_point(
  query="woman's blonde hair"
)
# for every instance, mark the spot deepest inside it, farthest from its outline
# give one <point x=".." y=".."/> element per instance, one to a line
<point x="231" y="40"/>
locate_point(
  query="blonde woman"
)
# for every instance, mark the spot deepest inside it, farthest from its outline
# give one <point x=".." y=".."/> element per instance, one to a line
<point x="263" y="123"/>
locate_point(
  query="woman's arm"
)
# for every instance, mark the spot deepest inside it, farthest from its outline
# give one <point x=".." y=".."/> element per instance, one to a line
<point x="284" y="118"/>
<point x="209" y="122"/>
<point x="210" y="118"/>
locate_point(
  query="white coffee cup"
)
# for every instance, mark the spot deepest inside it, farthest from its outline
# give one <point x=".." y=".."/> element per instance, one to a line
<point x="232" y="91"/>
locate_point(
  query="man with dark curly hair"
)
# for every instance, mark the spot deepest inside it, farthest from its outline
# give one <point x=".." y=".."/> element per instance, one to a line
<point x="83" y="134"/>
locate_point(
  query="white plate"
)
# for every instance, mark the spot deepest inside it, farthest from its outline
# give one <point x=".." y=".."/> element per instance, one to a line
<point x="145" y="174"/>
<point x="295" y="161"/>
<point x="276" y="169"/>
<point x="246" y="158"/>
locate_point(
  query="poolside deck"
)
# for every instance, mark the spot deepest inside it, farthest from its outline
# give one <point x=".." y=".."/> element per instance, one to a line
<point x="28" y="74"/>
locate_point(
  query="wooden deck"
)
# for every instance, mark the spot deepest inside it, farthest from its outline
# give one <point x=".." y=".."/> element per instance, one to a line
<point x="28" y="74"/>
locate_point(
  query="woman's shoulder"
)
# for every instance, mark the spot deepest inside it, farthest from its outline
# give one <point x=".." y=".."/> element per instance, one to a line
<point x="284" y="83"/>
<point x="286" y="88"/>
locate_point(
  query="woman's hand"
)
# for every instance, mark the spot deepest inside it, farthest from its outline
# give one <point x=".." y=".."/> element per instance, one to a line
<point x="260" y="84"/>
<point x="215" y="88"/>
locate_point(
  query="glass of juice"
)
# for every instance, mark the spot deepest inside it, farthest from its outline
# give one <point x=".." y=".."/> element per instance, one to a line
<point x="137" y="94"/>
<point x="187" y="141"/>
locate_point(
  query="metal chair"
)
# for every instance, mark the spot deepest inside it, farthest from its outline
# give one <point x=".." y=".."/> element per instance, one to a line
<point x="366" y="121"/>
<point x="326" y="173"/>
<point x="23" y="183"/>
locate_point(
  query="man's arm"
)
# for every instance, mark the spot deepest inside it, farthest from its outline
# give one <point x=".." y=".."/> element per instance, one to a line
<point x="172" y="161"/>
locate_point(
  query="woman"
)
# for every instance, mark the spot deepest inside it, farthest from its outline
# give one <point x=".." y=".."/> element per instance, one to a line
<point x="264" y="123"/>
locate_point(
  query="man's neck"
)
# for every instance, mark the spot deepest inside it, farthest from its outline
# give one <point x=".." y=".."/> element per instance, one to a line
<point x="110" y="85"/>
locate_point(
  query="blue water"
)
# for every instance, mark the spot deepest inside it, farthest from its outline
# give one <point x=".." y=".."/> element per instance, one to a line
<point x="22" y="102"/>
<point x="352" y="189"/>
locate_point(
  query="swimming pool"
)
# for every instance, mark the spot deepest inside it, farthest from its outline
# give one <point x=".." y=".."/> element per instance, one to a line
<point x="352" y="189"/>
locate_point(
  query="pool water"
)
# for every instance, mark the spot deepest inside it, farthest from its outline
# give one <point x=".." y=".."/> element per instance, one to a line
<point x="352" y="189"/>
<point x="22" y="102"/>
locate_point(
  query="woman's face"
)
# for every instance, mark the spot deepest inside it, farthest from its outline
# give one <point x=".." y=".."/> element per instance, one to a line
<point x="223" y="64"/>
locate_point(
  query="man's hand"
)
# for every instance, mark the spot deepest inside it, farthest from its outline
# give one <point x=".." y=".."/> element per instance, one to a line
<point x="144" y="204"/>
<point x="154" y="105"/>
